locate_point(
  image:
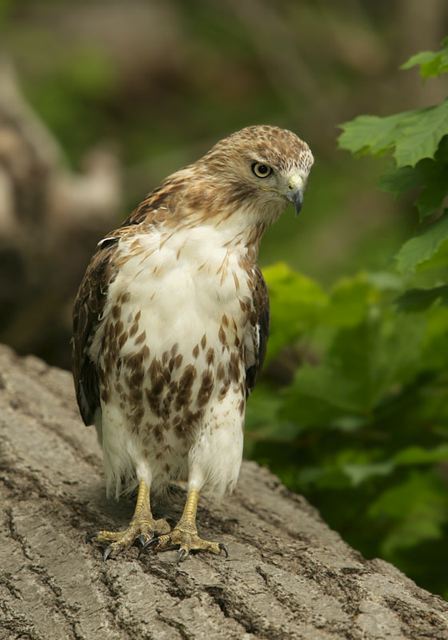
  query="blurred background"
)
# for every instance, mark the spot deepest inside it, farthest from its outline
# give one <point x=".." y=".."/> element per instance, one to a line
<point x="100" y="100"/>
<point x="123" y="94"/>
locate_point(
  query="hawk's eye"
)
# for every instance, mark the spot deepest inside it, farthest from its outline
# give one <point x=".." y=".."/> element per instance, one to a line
<point x="261" y="170"/>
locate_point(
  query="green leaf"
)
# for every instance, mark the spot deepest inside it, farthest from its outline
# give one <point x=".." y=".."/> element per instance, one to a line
<point x="420" y="134"/>
<point x="400" y="180"/>
<point x="420" y="249"/>
<point x="433" y="272"/>
<point x="433" y="177"/>
<point x="430" y="176"/>
<point x="420" y="299"/>
<point x="362" y="366"/>
<point x="431" y="63"/>
<point x="410" y="136"/>
<point x="372" y="134"/>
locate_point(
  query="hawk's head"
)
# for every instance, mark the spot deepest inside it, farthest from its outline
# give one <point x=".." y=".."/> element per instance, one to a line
<point x="245" y="180"/>
<point x="258" y="169"/>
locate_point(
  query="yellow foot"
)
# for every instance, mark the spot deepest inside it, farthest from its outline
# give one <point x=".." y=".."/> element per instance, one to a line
<point x="139" y="532"/>
<point x="185" y="540"/>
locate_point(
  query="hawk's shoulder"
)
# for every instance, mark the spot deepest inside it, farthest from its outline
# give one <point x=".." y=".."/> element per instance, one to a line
<point x="159" y="204"/>
<point x="260" y="327"/>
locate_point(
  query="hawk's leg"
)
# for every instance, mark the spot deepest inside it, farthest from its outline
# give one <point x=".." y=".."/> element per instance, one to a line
<point x="184" y="536"/>
<point x="142" y="527"/>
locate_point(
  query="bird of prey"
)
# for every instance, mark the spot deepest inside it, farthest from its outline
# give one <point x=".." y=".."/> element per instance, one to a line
<point x="170" y="328"/>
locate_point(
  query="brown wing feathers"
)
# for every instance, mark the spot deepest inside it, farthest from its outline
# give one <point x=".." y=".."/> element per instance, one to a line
<point x="261" y="328"/>
<point x="88" y="308"/>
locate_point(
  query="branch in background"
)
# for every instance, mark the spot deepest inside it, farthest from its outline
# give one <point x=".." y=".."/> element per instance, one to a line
<point x="50" y="221"/>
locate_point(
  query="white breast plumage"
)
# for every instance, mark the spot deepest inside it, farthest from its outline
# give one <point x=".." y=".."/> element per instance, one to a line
<point x="172" y="356"/>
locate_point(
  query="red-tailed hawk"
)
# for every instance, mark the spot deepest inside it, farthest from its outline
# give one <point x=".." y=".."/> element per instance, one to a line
<point x="170" y="328"/>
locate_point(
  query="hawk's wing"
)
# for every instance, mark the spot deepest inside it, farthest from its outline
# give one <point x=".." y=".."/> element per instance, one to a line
<point x="260" y="329"/>
<point x="87" y="313"/>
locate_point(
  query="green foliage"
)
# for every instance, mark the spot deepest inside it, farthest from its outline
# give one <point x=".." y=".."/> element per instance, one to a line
<point x="431" y="63"/>
<point x="420" y="249"/>
<point x="410" y="136"/>
<point x="292" y="290"/>
<point x="421" y="299"/>
<point x="428" y="177"/>
<point x="361" y="426"/>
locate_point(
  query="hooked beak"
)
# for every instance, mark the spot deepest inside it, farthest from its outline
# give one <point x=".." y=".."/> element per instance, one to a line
<point x="295" y="196"/>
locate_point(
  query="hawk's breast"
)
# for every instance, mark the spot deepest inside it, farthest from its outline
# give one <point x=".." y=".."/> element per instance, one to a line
<point x="173" y="340"/>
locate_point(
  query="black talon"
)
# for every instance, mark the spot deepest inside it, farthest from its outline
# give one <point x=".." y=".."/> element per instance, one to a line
<point x="90" y="536"/>
<point x="222" y="547"/>
<point x="146" y="546"/>
<point x="141" y="540"/>
<point x="182" y="555"/>
<point x="106" y="553"/>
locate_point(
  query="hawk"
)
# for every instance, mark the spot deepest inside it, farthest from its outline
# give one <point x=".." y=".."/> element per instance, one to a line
<point x="171" y="322"/>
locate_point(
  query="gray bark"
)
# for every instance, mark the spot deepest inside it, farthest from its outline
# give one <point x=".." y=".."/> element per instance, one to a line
<point x="288" y="574"/>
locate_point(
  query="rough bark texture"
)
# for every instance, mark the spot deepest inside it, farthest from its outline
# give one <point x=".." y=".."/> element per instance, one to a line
<point x="288" y="574"/>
